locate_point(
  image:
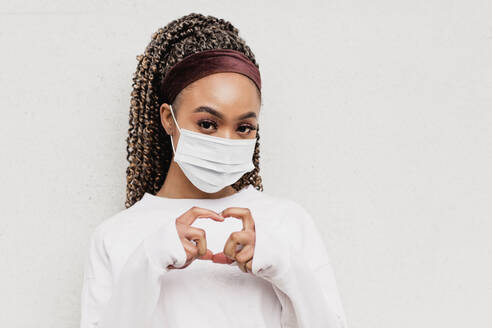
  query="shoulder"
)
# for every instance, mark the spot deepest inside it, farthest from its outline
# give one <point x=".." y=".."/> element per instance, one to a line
<point x="116" y="237"/>
<point x="284" y="209"/>
<point x="126" y="224"/>
<point x="288" y="220"/>
<point x="269" y="198"/>
<point x="114" y="221"/>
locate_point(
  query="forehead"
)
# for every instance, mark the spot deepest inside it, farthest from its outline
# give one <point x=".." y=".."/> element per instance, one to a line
<point x="225" y="91"/>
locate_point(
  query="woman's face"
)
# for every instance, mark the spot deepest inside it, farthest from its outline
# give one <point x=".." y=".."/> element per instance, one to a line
<point x="223" y="104"/>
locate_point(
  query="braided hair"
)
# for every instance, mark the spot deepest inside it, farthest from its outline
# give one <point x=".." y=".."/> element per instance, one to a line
<point x="149" y="151"/>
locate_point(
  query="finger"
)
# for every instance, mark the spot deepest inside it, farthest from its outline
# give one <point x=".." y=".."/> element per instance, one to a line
<point x="195" y="212"/>
<point x="190" y="249"/>
<point x="249" y="265"/>
<point x="199" y="236"/>
<point x="245" y="254"/>
<point x="236" y="238"/>
<point x="221" y="258"/>
<point x="241" y="213"/>
<point x="242" y="266"/>
<point x="172" y="267"/>
<point x="208" y="256"/>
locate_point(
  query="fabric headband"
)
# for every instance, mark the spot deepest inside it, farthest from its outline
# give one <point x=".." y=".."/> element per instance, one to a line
<point x="203" y="63"/>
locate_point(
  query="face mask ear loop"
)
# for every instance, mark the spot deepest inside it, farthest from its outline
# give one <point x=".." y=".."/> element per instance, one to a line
<point x="175" y="121"/>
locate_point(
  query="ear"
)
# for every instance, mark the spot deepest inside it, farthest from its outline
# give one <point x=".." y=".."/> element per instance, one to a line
<point x="166" y="118"/>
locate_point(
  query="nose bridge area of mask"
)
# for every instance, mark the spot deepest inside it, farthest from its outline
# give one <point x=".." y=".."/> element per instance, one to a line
<point x="215" y="149"/>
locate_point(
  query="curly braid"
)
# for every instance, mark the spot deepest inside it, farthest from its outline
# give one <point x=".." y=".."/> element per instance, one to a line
<point x="148" y="144"/>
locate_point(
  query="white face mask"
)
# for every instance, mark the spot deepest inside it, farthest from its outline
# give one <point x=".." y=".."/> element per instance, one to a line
<point x="212" y="163"/>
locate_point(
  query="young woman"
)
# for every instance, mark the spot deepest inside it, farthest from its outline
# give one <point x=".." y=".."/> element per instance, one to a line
<point x="253" y="260"/>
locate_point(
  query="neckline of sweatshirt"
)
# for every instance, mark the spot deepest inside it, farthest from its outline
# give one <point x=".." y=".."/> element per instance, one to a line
<point x="158" y="201"/>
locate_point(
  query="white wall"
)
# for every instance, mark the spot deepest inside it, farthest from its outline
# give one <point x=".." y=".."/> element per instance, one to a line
<point x="377" y="117"/>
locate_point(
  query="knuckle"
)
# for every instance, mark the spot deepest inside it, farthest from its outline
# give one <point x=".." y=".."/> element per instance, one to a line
<point x="240" y="258"/>
<point x="194" y="209"/>
<point x="228" y="254"/>
<point x="235" y="236"/>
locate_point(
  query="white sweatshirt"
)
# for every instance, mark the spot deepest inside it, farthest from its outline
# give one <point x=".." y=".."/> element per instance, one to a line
<point x="127" y="282"/>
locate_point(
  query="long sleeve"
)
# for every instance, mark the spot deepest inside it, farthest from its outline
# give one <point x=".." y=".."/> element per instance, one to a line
<point x="130" y="300"/>
<point x="291" y="255"/>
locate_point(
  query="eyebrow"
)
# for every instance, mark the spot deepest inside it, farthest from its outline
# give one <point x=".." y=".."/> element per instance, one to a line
<point x="219" y="115"/>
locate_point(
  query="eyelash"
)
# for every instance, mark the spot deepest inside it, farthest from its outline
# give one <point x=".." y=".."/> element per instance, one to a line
<point x="249" y="126"/>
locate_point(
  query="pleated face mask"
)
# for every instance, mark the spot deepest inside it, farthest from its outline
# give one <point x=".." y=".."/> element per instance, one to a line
<point x="212" y="163"/>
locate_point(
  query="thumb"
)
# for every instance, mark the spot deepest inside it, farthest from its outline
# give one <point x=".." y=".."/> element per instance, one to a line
<point x="221" y="258"/>
<point x="207" y="256"/>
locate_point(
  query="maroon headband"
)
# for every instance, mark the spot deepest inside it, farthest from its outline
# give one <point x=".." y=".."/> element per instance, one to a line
<point x="200" y="64"/>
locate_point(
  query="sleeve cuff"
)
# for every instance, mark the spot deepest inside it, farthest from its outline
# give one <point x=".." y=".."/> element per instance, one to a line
<point x="271" y="257"/>
<point x="164" y="247"/>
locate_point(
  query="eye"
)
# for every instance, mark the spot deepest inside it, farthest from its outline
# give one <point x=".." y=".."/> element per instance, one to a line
<point x="206" y="124"/>
<point x="246" y="128"/>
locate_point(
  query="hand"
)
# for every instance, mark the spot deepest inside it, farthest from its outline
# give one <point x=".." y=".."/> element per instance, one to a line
<point x="187" y="234"/>
<point x="246" y="237"/>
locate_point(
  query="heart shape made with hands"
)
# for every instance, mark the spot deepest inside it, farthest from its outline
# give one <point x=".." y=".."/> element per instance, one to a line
<point x="217" y="234"/>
